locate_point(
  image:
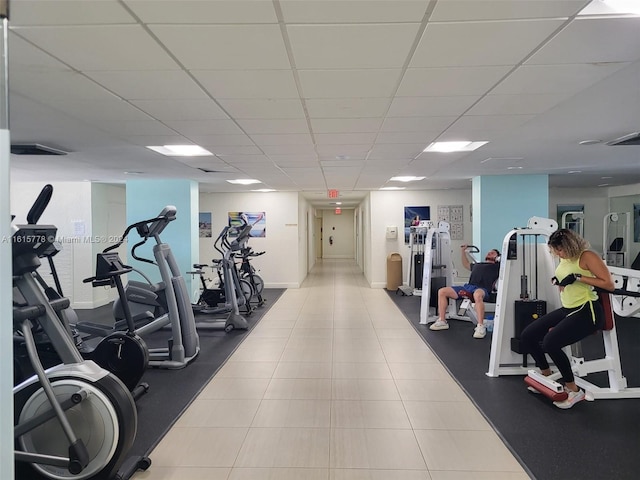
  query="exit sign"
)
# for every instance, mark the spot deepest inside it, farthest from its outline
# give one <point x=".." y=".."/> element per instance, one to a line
<point x="333" y="193"/>
<point x="338" y="210"/>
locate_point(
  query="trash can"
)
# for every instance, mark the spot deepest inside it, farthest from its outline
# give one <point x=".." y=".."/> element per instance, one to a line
<point x="394" y="271"/>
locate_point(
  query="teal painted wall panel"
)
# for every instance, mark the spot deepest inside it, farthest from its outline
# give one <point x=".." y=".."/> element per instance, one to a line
<point x="145" y="200"/>
<point x="503" y="202"/>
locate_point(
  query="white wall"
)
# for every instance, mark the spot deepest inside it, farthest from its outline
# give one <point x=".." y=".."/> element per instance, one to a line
<point x="109" y="220"/>
<point x="305" y="238"/>
<point x="70" y="211"/>
<point x="388" y="208"/>
<point x="279" y="265"/>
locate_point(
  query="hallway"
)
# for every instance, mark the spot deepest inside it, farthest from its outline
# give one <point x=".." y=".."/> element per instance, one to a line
<point x="332" y="384"/>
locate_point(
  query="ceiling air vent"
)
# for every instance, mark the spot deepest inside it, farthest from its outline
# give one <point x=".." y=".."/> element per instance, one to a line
<point x="35" y="149"/>
<point x="630" y="139"/>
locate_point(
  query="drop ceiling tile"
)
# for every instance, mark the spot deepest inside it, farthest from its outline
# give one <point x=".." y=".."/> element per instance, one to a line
<point x="347" y="108"/>
<point x="244" y="83"/>
<point x="149" y="85"/>
<point x="345" y="125"/>
<point x="480" y="43"/>
<point x="297" y="158"/>
<point x="555" y="78"/>
<point x="198" y="11"/>
<point x="66" y="12"/>
<point x="121" y="47"/>
<point x="589" y="40"/>
<point x="99" y="110"/>
<point x="353" y="11"/>
<point x="56" y="85"/>
<point x="204" y="127"/>
<point x="396" y="150"/>
<point x="430" y="106"/>
<point x="283" y="139"/>
<point x="432" y="82"/>
<point x="144" y="140"/>
<point x="342" y="158"/>
<point x="407" y="137"/>
<point x="233" y="159"/>
<point x="262" y="109"/>
<point x="134" y="128"/>
<point x="351" y="46"/>
<point x="237" y="150"/>
<point x="353" y="151"/>
<point x="417" y="124"/>
<point x="343" y="163"/>
<point x="221" y="140"/>
<point x="495" y="123"/>
<point x="273" y="125"/>
<point x="237" y="47"/>
<point x="349" y="83"/>
<point x="464" y="10"/>
<point x="287" y="149"/>
<point x="516" y="104"/>
<point x="295" y="162"/>
<point x="181" y="109"/>
<point x="24" y="56"/>
<point x="344" y="138"/>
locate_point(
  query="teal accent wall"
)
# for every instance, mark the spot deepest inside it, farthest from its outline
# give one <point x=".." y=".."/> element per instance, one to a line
<point x="146" y="199"/>
<point x="503" y="202"/>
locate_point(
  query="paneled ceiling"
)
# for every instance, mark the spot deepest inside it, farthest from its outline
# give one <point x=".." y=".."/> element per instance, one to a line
<point x="311" y="95"/>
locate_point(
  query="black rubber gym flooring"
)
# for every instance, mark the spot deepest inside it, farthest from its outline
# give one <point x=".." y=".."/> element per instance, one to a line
<point x="597" y="440"/>
<point x="171" y="391"/>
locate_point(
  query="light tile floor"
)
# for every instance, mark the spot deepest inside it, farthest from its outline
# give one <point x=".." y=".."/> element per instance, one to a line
<point x="332" y="384"/>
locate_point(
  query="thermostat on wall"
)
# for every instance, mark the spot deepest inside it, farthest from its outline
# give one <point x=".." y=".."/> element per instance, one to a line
<point x="392" y="232"/>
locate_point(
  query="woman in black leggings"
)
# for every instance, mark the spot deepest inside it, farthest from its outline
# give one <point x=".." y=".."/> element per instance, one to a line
<point x="581" y="314"/>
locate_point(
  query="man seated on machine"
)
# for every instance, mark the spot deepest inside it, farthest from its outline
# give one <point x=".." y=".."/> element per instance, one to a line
<point x="481" y="282"/>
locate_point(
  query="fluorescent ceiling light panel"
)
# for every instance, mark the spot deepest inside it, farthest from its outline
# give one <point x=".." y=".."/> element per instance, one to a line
<point x="612" y="7"/>
<point x="264" y="190"/>
<point x="393" y="188"/>
<point x="244" y="181"/>
<point x="181" y="150"/>
<point x="406" y="179"/>
<point x="448" y="147"/>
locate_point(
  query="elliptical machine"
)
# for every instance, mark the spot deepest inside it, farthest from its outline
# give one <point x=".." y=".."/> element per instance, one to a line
<point x="74" y="420"/>
<point x="156" y="305"/>
<point x="123" y="353"/>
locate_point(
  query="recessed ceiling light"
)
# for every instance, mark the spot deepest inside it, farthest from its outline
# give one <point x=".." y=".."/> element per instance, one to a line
<point x="407" y="178"/>
<point x="605" y="178"/>
<point x="604" y="184"/>
<point x="244" y="181"/>
<point x="181" y="150"/>
<point x="264" y="190"/>
<point x="514" y="168"/>
<point x="393" y="188"/>
<point x="574" y="171"/>
<point x="133" y="173"/>
<point x="589" y="142"/>
<point x="448" y="147"/>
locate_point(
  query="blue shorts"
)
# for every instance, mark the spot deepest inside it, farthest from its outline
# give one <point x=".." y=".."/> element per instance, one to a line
<point x="467" y="287"/>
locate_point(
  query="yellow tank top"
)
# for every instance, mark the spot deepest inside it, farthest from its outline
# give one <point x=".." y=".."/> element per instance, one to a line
<point x="576" y="293"/>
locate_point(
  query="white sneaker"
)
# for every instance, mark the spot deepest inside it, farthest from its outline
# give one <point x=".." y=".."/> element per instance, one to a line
<point x="439" y="325"/>
<point x="572" y="399"/>
<point x="480" y="331"/>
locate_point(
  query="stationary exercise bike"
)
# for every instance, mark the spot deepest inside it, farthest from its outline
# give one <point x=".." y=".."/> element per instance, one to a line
<point x="74" y="420"/>
<point x="248" y="272"/>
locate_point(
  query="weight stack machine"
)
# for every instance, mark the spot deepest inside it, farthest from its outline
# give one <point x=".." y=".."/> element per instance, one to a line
<point x="437" y="267"/>
<point x="524" y="293"/>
